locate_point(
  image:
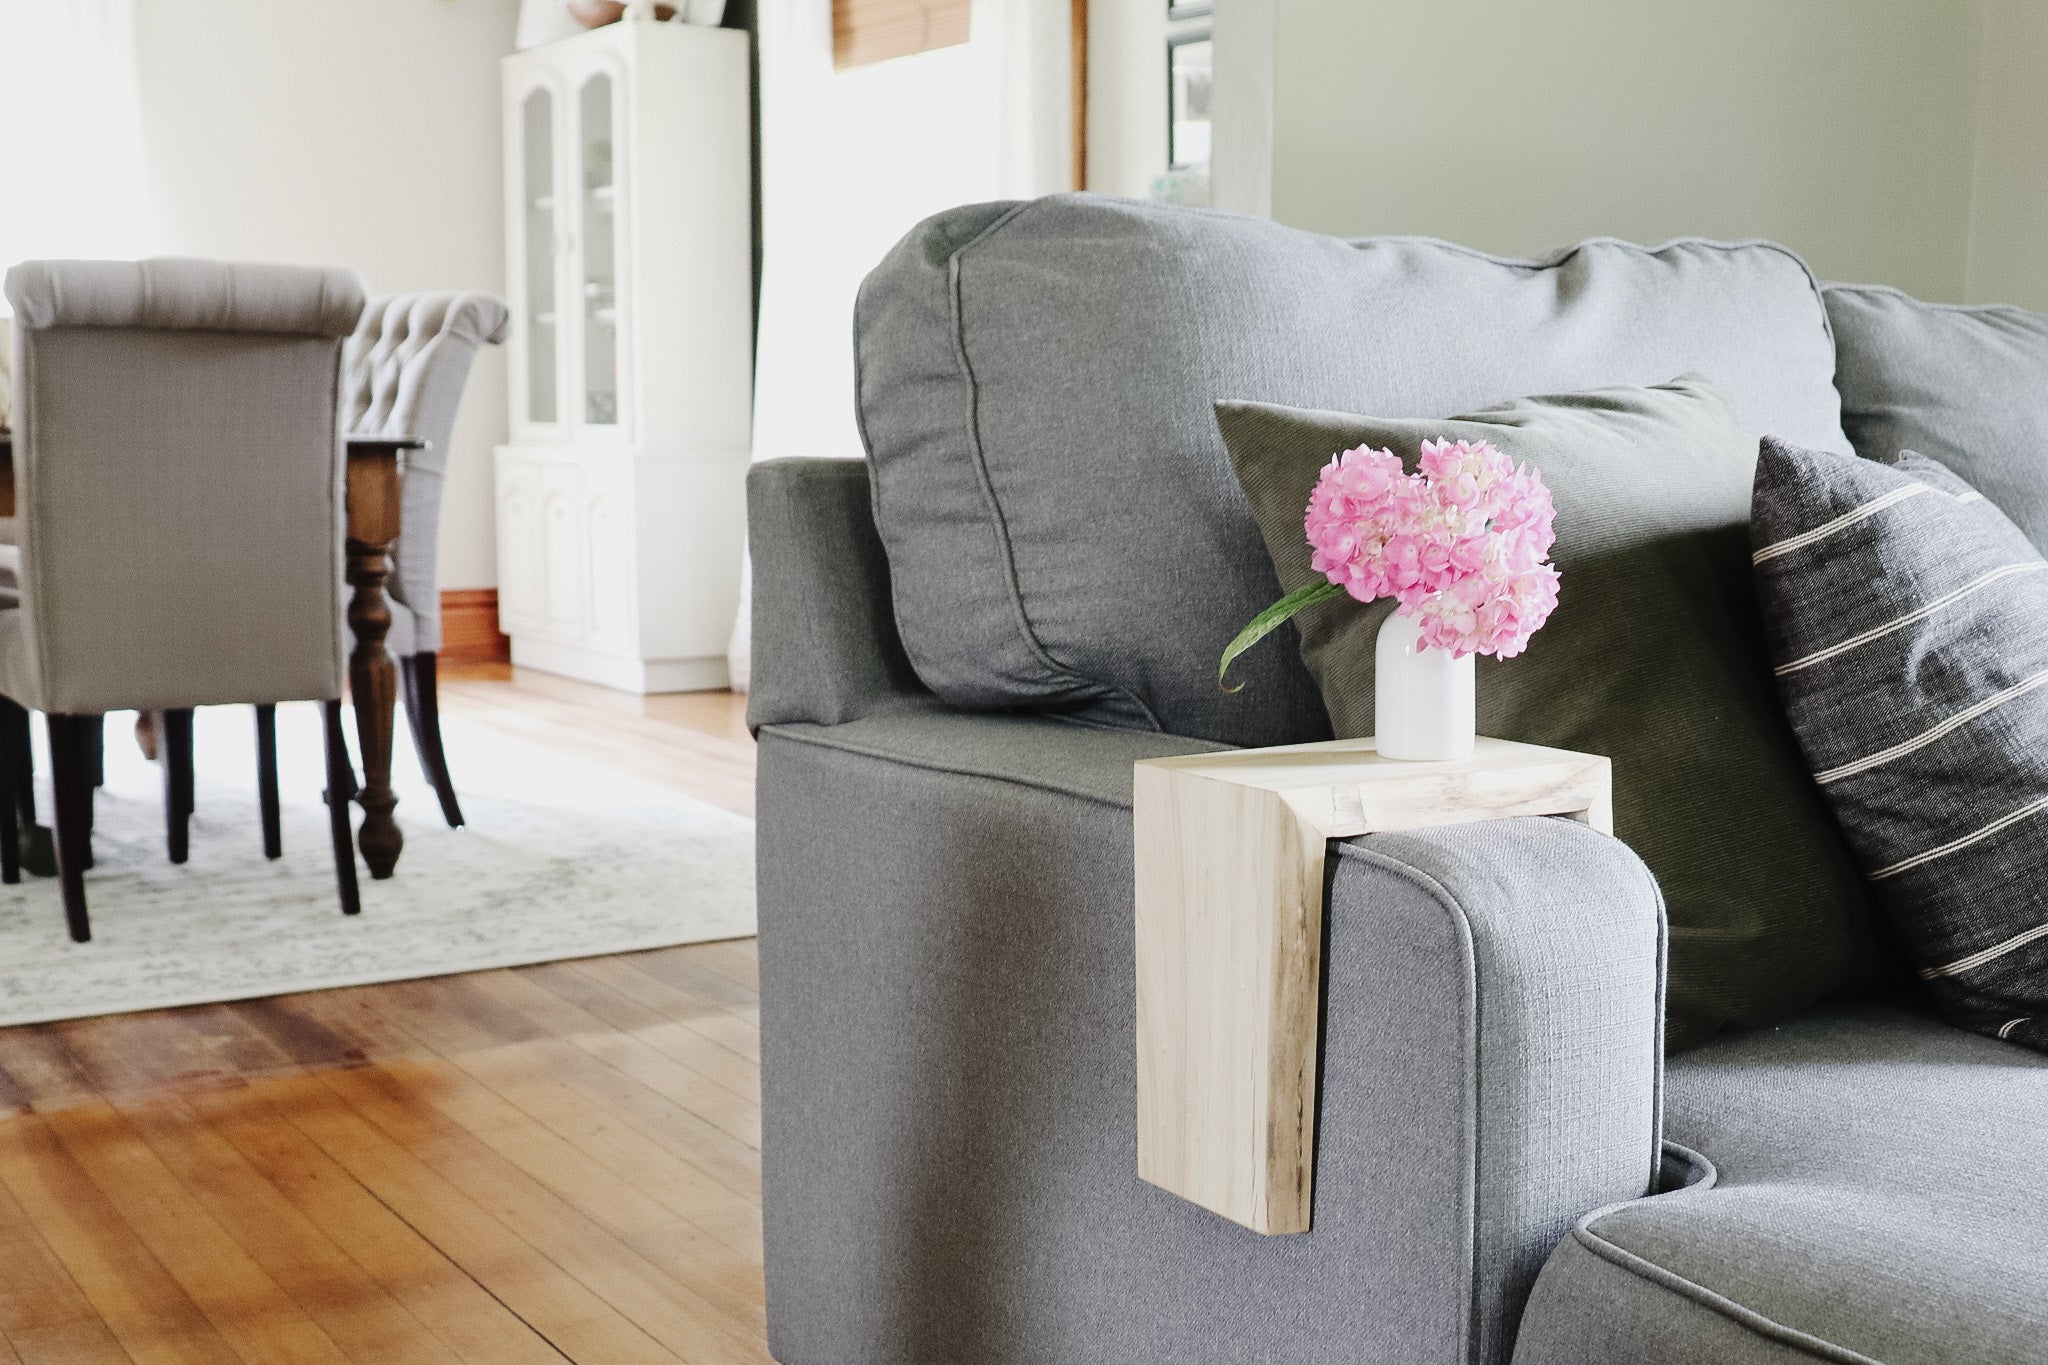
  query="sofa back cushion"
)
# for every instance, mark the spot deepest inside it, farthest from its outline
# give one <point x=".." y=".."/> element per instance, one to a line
<point x="1966" y="386"/>
<point x="1035" y="380"/>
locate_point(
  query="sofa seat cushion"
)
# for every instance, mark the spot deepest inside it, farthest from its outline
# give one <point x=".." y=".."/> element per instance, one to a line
<point x="1035" y="381"/>
<point x="1965" y="385"/>
<point x="1878" y="1197"/>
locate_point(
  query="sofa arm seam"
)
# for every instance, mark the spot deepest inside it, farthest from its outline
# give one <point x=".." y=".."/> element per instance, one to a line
<point x="1473" y="1021"/>
<point x="1743" y="1316"/>
<point x="784" y="730"/>
<point x="1469" y="1021"/>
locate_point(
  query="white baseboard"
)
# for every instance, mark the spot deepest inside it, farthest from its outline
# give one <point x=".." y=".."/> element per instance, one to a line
<point x="625" y="672"/>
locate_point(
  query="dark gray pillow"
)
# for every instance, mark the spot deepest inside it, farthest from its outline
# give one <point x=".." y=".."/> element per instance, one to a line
<point x="1908" y="621"/>
<point x="1965" y="385"/>
<point x="1654" y="657"/>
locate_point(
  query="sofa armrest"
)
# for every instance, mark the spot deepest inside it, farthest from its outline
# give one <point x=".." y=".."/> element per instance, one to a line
<point x="825" y="648"/>
<point x="949" y="1077"/>
<point x="1493" y="1052"/>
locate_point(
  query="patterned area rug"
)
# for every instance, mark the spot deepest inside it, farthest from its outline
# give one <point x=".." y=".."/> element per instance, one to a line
<point x="560" y="859"/>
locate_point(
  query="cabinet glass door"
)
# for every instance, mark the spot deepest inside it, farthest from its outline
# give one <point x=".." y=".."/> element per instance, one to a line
<point x="597" y="273"/>
<point x="543" y="335"/>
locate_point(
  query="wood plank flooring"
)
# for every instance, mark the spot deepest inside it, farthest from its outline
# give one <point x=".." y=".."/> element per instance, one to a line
<point x="543" y="1164"/>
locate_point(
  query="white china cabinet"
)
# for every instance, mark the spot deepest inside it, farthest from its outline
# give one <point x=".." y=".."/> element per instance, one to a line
<point x="620" y="495"/>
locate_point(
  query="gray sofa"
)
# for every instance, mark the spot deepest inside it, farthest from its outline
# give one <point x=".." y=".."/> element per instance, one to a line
<point x="962" y="644"/>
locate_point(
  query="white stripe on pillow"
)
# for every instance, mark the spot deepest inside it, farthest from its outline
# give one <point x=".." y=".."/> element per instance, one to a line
<point x="1927" y="737"/>
<point x="1841" y="523"/>
<point x="1879" y="632"/>
<point x="1955" y="845"/>
<point x="1991" y="954"/>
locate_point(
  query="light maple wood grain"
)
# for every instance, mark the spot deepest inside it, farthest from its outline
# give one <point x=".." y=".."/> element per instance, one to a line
<point x="1229" y="851"/>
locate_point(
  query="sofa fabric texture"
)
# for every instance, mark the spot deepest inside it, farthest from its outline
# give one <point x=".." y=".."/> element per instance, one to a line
<point x="949" y="1100"/>
<point x="821" y="592"/>
<point x="1964" y="385"/>
<point x="1654" y="657"/>
<point x="1034" y="386"/>
<point x="1875" y="1199"/>
<point x="1908" y="621"/>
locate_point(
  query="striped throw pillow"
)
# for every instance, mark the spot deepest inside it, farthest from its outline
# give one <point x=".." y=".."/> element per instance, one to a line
<point x="1908" y="625"/>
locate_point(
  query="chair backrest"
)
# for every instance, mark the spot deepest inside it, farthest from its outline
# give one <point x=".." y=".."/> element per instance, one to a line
<point x="402" y="375"/>
<point x="178" y="474"/>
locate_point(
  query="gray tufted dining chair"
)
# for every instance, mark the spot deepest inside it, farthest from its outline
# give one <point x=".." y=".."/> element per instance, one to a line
<point x="178" y="473"/>
<point x="403" y="371"/>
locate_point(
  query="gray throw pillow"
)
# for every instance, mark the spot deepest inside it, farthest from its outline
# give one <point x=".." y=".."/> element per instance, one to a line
<point x="1908" y="620"/>
<point x="1655" y="657"/>
<point x="1965" y="385"/>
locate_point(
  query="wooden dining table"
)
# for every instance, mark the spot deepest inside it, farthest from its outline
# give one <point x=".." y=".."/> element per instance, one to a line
<point x="376" y="476"/>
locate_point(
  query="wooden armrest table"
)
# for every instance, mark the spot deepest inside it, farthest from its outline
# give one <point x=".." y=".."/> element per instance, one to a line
<point x="375" y="480"/>
<point x="1229" y="852"/>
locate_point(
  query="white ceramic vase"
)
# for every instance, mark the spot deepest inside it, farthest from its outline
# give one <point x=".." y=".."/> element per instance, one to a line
<point x="1424" y="701"/>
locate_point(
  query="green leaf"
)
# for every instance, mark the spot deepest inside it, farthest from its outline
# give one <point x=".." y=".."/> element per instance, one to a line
<point x="1269" y="620"/>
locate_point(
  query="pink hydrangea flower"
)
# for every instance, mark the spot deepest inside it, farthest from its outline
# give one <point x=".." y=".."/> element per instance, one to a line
<point x="1462" y="544"/>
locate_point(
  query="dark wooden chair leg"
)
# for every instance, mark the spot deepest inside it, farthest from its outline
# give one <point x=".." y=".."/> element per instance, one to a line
<point x="71" y="776"/>
<point x="10" y="822"/>
<point x="420" y="674"/>
<point x="266" y="780"/>
<point x="37" y="847"/>
<point x="92" y="738"/>
<point x="341" y="790"/>
<point x="25" y="775"/>
<point x="175" y="735"/>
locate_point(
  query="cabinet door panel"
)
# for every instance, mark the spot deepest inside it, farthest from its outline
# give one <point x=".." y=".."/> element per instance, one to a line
<point x="562" y="535"/>
<point x="598" y="259"/>
<point x="537" y="228"/>
<point x="522" y="590"/>
<point x="608" y="518"/>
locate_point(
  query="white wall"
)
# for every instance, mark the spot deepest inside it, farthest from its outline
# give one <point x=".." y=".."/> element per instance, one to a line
<point x="1844" y="128"/>
<point x="1126" y="95"/>
<point x="851" y="160"/>
<point x="362" y="133"/>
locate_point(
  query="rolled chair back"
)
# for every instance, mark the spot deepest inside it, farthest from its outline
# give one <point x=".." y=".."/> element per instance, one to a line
<point x="402" y="375"/>
<point x="178" y="475"/>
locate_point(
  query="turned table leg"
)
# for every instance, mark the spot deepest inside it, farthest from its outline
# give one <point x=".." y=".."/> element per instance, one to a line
<point x="373" y="487"/>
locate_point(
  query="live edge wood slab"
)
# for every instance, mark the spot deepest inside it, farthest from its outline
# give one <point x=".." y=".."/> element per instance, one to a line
<point x="1229" y="854"/>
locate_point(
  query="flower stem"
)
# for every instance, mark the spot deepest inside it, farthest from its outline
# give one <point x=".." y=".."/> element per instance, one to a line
<point x="1269" y="620"/>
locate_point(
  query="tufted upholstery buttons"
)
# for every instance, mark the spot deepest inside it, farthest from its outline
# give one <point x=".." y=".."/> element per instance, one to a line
<point x="402" y="373"/>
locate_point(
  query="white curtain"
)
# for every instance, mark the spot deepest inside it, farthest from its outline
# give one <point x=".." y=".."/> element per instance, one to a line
<point x="71" y="169"/>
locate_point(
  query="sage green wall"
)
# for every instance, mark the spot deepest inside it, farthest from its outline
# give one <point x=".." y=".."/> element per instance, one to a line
<point x="1846" y="129"/>
<point x="2009" y="219"/>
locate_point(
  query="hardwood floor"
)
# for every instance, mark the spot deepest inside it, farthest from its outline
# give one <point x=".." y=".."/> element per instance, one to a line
<point x="535" y="1165"/>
